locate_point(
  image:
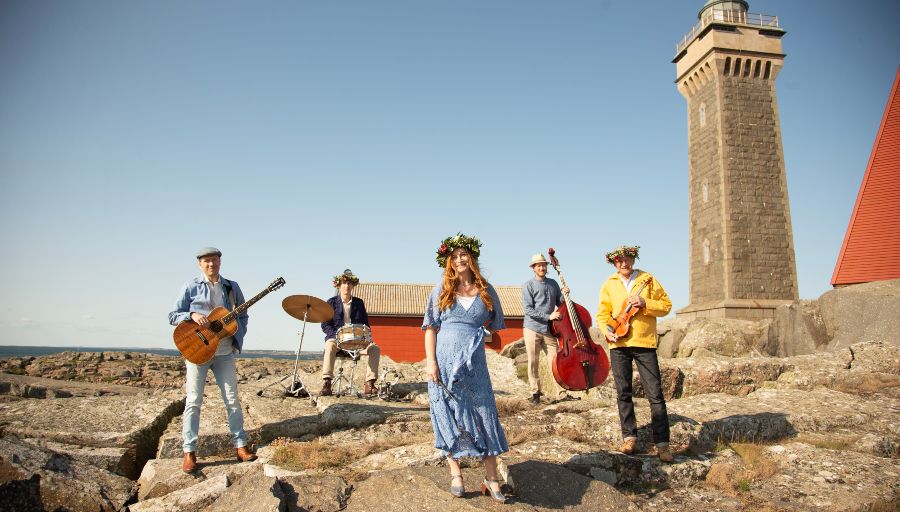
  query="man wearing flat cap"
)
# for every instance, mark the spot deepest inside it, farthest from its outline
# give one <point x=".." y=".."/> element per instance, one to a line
<point x="197" y="298"/>
<point x="541" y="297"/>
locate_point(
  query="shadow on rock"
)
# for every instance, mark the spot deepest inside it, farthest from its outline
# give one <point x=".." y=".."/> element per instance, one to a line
<point x="542" y="484"/>
<point x="757" y="427"/>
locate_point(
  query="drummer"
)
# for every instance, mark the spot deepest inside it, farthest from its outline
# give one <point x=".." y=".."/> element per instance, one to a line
<point x="347" y="310"/>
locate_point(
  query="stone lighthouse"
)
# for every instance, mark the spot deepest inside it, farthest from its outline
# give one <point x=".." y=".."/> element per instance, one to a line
<point x="741" y="246"/>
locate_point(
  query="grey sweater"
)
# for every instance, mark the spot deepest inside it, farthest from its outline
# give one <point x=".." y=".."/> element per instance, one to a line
<point x="540" y="298"/>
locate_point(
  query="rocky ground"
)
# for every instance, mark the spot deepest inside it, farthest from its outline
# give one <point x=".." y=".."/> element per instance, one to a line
<point x="816" y="431"/>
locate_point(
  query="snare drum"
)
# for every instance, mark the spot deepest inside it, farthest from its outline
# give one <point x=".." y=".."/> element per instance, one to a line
<point x="353" y="337"/>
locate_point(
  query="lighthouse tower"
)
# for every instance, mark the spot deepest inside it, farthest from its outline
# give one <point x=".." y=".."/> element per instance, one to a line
<point x="741" y="246"/>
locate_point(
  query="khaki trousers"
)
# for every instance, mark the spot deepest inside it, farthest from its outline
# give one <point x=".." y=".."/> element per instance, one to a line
<point x="372" y="353"/>
<point x="535" y="342"/>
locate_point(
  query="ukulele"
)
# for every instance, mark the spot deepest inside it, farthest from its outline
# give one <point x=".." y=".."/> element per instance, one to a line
<point x="199" y="344"/>
<point x="619" y="325"/>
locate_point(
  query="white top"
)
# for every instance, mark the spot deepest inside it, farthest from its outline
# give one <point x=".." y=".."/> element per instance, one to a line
<point x="347" y="311"/>
<point x="217" y="299"/>
<point x="466" y="302"/>
<point x="628" y="282"/>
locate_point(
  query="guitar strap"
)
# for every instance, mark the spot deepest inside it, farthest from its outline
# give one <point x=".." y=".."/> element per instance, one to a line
<point x="230" y="292"/>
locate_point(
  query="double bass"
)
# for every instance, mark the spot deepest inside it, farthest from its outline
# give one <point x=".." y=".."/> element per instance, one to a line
<point x="580" y="364"/>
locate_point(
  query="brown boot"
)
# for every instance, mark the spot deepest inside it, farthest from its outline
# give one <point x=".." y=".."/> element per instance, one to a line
<point x="190" y="462"/>
<point x="369" y="388"/>
<point x="665" y="453"/>
<point x="629" y="445"/>
<point x="326" y="388"/>
<point x="245" y="455"/>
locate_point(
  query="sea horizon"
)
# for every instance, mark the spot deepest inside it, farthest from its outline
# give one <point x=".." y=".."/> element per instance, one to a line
<point x="44" y="350"/>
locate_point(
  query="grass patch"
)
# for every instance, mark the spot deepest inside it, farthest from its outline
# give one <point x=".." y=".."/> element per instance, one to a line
<point x="721" y="446"/>
<point x="723" y="477"/>
<point x="571" y="407"/>
<point x="522" y="372"/>
<point x="755" y="466"/>
<point x="511" y="406"/>
<point x="312" y="455"/>
<point x="882" y="505"/>
<point x="320" y="455"/>
<point x="573" y="434"/>
<point x="830" y="443"/>
<point x="515" y="435"/>
<point x="760" y="465"/>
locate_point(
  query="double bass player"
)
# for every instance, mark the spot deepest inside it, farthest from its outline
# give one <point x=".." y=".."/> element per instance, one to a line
<point x="541" y="297"/>
<point x="638" y="289"/>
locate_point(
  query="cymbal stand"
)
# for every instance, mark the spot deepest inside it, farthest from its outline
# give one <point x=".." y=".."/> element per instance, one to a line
<point x="298" y="389"/>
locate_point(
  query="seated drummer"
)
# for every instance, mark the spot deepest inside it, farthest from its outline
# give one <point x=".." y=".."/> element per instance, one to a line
<point x="347" y="310"/>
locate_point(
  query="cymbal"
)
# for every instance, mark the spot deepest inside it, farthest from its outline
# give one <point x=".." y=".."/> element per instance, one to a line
<point x="316" y="309"/>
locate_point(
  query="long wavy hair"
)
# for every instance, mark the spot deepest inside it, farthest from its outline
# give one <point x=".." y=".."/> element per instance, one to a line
<point x="450" y="281"/>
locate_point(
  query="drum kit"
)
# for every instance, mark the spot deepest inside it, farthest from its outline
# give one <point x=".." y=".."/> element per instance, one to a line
<point x="351" y="339"/>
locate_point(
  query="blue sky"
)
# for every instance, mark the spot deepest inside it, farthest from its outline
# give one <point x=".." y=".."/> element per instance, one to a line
<point x="302" y="138"/>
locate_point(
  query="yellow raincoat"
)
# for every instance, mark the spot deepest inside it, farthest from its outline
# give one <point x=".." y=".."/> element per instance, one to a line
<point x="643" y="324"/>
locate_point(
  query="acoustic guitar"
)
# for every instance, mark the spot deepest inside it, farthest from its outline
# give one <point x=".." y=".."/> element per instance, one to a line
<point x="199" y="344"/>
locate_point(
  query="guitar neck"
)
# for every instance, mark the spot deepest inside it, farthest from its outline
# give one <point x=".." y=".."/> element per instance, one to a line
<point x="245" y="306"/>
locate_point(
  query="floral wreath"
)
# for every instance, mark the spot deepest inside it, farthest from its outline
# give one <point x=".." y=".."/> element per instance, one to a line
<point x="623" y="251"/>
<point x="346" y="276"/>
<point x="451" y="243"/>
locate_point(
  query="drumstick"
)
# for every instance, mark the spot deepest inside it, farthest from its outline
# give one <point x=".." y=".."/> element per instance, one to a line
<point x="441" y="384"/>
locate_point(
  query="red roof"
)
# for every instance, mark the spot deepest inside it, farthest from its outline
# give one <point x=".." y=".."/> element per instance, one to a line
<point x="871" y="249"/>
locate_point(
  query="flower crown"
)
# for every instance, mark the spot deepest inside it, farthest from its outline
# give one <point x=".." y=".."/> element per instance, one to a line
<point x="346" y="276"/>
<point x="451" y="243"/>
<point x="623" y="251"/>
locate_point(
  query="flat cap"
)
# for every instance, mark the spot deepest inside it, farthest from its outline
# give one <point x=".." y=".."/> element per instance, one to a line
<point x="208" y="251"/>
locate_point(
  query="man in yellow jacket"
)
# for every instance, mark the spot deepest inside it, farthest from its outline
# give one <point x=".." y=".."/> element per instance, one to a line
<point x="634" y="289"/>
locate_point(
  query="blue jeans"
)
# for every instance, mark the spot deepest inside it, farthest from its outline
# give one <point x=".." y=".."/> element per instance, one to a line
<point x="225" y="371"/>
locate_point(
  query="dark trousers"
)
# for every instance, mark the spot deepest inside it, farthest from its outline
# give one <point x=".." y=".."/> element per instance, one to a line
<point x="648" y="368"/>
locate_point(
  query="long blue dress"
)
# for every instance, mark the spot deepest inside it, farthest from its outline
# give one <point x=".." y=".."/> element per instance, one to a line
<point x="467" y="425"/>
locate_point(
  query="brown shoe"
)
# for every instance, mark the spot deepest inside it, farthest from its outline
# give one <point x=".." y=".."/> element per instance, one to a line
<point x="629" y="445"/>
<point x="665" y="453"/>
<point x="245" y="455"/>
<point x="369" y="388"/>
<point x="326" y="388"/>
<point x="190" y="462"/>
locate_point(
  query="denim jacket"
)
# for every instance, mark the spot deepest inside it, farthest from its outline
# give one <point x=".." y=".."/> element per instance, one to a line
<point x="194" y="298"/>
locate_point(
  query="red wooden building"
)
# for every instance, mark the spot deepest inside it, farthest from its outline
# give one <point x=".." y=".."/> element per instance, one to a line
<point x="871" y="248"/>
<point x="396" y="311"/>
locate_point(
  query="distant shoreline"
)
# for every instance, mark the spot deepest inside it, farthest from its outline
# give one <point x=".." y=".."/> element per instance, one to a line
<point x="36" y="351"/>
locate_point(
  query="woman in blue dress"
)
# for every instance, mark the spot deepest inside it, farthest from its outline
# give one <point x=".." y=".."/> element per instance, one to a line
<point x="463" y="411"/>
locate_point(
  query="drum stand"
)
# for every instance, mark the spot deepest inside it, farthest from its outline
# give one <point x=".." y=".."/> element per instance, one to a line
<point x="297" y="388"/>
<point x="340" y="378"/>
